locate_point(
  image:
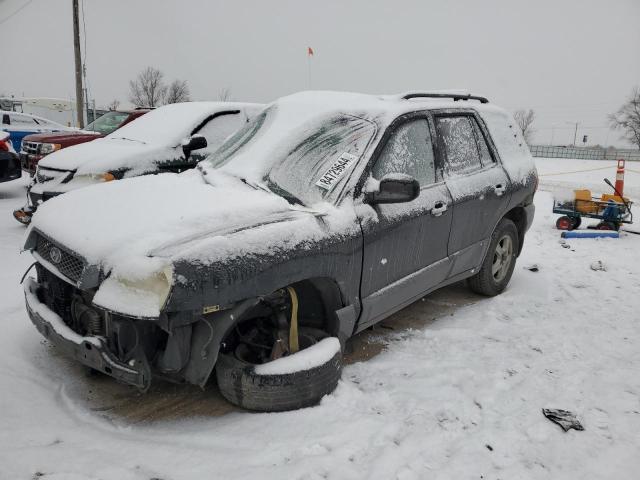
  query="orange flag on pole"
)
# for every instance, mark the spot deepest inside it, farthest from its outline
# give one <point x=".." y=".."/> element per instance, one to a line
<point x="310" y="51"/>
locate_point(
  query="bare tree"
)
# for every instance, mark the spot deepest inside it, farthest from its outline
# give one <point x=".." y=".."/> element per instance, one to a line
<point x="627" y="118"/>
<point x="178" y="92"/>
<point x="148" y="89"/>
<point x="224" y="95"/>
<point x="115" y="103"/>
<point x="525" y="120"/>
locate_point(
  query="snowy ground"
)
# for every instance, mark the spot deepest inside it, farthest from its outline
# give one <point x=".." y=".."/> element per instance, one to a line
<point x="460" y="398"/>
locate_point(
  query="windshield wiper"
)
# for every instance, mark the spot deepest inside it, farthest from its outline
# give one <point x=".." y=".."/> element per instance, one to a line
<point x="128" y="139"/>
<point x="289" y="197"/>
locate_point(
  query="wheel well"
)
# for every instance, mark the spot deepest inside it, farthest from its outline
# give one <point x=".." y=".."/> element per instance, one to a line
<point x="518" y="216"/>
<point x="318" y="300"/>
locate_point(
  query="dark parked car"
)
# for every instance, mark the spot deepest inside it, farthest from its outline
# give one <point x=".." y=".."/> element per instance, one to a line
<point x="9" y="162"/>
<point x="323" y="215"/>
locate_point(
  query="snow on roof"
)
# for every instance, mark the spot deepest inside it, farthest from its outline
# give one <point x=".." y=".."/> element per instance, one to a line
<point x="42" y="119"/>
<point x="170" y="124"/>
<point x="155" y="137"/>
<point x="297" y="116"/>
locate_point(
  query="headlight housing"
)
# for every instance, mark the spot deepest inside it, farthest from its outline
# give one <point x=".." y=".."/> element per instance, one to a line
<point x="142" y="297"/>
<point x="47" y="148"/>
<point x="95" y="177"/>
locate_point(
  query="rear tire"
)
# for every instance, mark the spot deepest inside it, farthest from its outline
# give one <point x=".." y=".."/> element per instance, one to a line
<point x="498" y="265"/>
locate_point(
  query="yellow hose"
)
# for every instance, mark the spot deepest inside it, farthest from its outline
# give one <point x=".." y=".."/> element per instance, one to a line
<point x="293" y="329"/>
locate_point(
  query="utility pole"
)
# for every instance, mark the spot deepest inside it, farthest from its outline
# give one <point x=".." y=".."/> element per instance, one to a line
<point x="575" y="133"/>
<point x="78" y="60"/>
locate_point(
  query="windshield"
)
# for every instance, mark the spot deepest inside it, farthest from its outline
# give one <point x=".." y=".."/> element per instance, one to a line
<point x="303" y="169"/>
<point x="107" y="123"/>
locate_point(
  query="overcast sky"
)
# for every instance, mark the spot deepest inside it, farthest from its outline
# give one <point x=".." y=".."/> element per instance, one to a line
<point x="569" y="60"/>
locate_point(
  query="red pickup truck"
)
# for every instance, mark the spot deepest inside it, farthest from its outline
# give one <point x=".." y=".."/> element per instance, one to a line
<point x="38" y="145"/>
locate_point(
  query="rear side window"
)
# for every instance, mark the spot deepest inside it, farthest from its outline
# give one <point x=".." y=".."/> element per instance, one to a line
<point x="217" y="130"/>
<point x="457" y="140"/>
<point x="485" y="154"/>
<point x="409" y="151"/>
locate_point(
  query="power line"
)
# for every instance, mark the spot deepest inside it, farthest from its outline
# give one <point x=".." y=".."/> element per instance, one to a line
<point x="16" y="12"/>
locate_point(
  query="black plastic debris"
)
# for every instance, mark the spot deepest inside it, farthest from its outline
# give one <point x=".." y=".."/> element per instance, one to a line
<point x="564" y="418"/>
<point x="532" y="268"/>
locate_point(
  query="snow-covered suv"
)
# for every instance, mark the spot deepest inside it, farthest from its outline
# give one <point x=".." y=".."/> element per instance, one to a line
<point x="323" y="215"/>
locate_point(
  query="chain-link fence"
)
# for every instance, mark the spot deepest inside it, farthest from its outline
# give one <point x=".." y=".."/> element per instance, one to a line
<point x="581" y="153"/>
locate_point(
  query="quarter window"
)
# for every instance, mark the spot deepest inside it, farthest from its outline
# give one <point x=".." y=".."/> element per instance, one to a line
<point x="409" y="151"/>
<point x="485" y="155"/>
<point x="458" y="143"/>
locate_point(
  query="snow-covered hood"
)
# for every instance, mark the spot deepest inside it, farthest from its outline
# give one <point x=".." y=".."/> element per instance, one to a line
<point x="109" y="154"/>
<point x="138" y="225"/>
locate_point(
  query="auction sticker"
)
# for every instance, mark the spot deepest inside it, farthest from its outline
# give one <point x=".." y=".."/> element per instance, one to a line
<point x="337" y="170"/>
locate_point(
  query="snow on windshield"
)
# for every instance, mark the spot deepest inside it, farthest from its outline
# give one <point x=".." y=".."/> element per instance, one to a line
<point x="299" y="140"/>
<point x="171" y="124"/>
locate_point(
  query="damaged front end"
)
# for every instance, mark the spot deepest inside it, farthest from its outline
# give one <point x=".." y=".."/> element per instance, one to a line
<point x="64" y="304"/>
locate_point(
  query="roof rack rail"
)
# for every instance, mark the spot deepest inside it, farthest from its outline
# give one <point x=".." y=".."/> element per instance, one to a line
<point x="454" y="96"/>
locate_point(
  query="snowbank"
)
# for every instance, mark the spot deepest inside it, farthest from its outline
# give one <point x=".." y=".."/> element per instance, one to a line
<point x="430" y="406"/>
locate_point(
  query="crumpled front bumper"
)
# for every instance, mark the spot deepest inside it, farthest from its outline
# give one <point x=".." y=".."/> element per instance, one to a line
<point x="91" y="351"/>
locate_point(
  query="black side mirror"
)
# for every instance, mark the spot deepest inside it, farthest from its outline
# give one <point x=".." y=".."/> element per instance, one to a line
<point x="394" y="188"/>
<point x="196" y="142"/>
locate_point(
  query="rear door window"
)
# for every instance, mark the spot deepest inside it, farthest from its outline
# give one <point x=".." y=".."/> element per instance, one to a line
<point x="457" y="142"/>
<point x="409" y="151"/>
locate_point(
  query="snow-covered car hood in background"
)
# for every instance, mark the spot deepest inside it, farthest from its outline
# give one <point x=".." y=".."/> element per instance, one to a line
<point x="137" y="226"/>
<point x="108" y="154"/>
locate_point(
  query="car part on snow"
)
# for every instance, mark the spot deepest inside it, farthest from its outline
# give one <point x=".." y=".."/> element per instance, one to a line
<point x="532" y="268"/>
<point x="564" y="418"/>
<point x="591" y="234"/>
<point x="499" y="262"/>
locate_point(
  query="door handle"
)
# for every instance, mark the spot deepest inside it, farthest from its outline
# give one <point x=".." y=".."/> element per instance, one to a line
<point x="439" y="208"/>
<point x="499" y="189"/>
